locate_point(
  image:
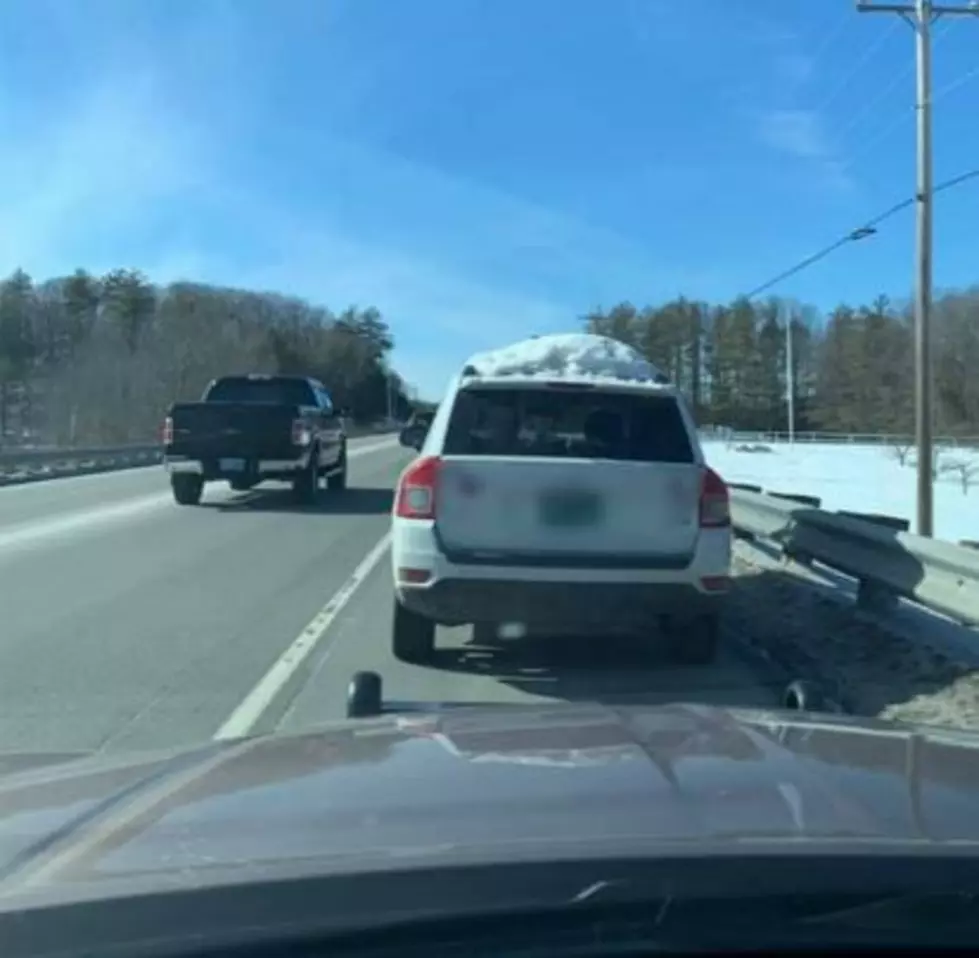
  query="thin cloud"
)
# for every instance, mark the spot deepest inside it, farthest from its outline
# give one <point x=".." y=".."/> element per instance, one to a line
<point x="796" y="132"/>
<point x="96" y="165"/>
<point x="801" y="134"/>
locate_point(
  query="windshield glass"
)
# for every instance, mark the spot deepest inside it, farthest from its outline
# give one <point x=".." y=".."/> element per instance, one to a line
<point x="567" y="423"/>
<point x="293" y="392"/>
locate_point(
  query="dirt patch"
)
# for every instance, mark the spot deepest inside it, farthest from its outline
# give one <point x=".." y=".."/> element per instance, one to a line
<point x="875" y="670"/>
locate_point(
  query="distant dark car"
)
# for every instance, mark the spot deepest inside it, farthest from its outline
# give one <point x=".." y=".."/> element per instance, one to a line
<point x="557" y="830"/>
<point x="248" y="429"/>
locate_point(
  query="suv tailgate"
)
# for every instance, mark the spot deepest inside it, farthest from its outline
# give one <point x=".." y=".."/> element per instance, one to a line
<point x="575" y="474"/>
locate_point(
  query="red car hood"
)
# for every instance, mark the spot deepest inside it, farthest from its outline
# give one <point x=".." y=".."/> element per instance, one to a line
<point x="485" y="784"/>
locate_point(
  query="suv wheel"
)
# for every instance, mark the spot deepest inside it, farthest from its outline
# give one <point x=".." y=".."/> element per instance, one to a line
<point x="695" y="641"/>
<point x="187" y="489"/>
<point x="412" y="636"/>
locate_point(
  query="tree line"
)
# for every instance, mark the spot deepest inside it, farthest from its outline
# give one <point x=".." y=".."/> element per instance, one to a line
<point x="852" y="370"/>
<point x="87" y="360"/>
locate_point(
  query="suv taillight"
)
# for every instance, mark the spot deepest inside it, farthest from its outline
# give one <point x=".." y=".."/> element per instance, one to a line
<point x="300" y="433"/>
<point x="416" y="490"/>
<point x="166" y="433"/>
<point x="715" y="504"/>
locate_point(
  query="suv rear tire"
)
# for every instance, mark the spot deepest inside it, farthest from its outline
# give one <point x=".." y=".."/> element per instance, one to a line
<point x="695" y="641"/>
<point x="412" y="636"/>
<point x="187" y="489"/>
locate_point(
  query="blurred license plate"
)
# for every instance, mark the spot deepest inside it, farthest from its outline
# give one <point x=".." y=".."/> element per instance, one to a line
<point x="570" y="508"/>
<point x="232" y="465"/>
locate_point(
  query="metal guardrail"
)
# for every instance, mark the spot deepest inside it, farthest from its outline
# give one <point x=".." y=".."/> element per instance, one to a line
<point x="31" y="465"/>
<point x="897" y="440"/>
<point x="35" y="465"/>
<point x="887" y="562"/>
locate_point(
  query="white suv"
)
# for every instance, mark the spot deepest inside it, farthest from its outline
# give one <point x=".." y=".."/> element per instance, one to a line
<point x="564" y="500"/>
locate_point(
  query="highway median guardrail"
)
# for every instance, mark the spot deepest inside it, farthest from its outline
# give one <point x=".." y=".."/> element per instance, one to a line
<point x="887" y="562"/>
<point x="38" y="464"/>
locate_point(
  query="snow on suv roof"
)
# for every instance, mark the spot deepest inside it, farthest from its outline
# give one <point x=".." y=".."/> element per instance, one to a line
<point x="566" y="356"/>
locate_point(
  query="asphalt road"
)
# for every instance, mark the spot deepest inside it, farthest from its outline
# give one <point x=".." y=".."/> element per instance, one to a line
<point x="127" y="622"/>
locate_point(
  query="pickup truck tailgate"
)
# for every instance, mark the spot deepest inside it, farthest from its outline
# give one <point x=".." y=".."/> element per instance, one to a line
<point x="245" y="430"/>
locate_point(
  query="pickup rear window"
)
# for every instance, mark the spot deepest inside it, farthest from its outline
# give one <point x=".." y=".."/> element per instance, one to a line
<point x="287" y="392"/>
<point x="568" y="423"/>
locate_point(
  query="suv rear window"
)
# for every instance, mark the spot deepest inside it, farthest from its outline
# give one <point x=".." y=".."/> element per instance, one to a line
<point x="567" y="424"/>
<point x="288" y="392"/>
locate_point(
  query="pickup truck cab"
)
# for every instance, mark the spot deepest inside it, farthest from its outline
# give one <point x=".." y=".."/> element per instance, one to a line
<point x="253" y="428"/>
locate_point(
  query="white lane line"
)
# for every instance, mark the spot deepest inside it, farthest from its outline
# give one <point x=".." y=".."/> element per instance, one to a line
<point x="246" y="716"/>
<point x="34" y="532"/>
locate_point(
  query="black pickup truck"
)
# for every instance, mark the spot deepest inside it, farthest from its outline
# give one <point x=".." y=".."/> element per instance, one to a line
<point x="247" y="429"/>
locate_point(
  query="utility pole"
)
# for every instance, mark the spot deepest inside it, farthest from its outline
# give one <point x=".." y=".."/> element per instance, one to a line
<point x="921" y="15"/>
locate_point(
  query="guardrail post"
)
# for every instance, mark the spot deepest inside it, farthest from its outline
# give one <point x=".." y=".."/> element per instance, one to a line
<point x="788" y="550"/>
<point x="874" y="597"/>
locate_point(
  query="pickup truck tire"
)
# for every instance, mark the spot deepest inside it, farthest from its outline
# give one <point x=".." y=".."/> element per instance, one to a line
<point x="412" y="636"/>
<point x="695" y="641"/>
<point x="187" y="490"/>
<point x="306" y="484"/>
<point x="337" y="481"/>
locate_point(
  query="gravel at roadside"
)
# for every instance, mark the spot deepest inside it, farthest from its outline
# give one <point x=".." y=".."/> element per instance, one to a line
<point x="874" y="669"/>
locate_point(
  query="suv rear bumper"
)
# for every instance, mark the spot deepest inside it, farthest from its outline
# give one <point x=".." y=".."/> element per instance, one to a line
<point x="561" y="606"/>
<point x="607" y="597"/>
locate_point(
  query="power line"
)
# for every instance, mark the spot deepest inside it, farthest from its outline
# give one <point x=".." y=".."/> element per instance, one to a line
<point x="862" y="61"/>
<point x="902" y="117"/>
<point x="884" y="91"/>
<point x="831" y="37"/>
<point x="861" y="232"/>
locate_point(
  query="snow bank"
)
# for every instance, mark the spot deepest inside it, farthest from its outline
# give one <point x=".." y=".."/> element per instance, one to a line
<point x="567" y="355"/>
<point x="852" y="476"/>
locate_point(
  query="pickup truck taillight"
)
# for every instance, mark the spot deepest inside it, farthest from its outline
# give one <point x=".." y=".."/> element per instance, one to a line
<point x="166" y="433"/>
<point x="715" y="504"/>
<point x="416" y="490"/>
<point x="301" y="436"/>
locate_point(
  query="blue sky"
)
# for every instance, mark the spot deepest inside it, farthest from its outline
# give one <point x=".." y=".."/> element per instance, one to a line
<point x="479" y="169"/>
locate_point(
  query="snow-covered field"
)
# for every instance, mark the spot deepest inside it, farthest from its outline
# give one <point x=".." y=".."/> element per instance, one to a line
<point x="858" y="478"/>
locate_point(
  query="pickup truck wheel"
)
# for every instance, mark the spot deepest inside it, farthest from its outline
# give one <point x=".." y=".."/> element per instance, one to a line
<point x="187" y="490"/>
<point x="337" y="481"/>
<point x="306" y="484"/>
<point x="413" y="636"/>
<point x="695" y="641"/>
